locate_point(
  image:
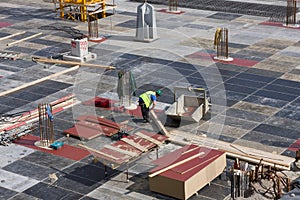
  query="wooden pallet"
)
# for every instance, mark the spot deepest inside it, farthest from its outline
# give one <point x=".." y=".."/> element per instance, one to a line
<point x="9" y="55"/>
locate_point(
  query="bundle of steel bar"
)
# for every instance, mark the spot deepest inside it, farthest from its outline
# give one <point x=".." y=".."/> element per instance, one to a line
<point x="173" y="4"/>
<point x="291" y="11"/>
<point x="221" y="41"/>
<point x="46" y="124"/>
<point x="240" y="184"/>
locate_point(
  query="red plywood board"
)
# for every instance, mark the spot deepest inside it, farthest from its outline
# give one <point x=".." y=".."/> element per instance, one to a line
<point x="98" y="121"/>
<point x="88" y="133"/>
<point x="89" y="127"/>
<point x="155" y="136"/>
<point x="295" y="146"/>
<point x="123" y="145"/>
<point x="120" y="158"/>
<point x="103" y="122"/>
<point x="5" y="24"/>
<point x="186" y="170"/>
<point x="65" y="151"/>
<point x="235" y="61"/>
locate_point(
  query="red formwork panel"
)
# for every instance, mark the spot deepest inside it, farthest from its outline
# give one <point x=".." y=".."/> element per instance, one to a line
<point x="89" y="127"/>
<point x="92" y="119"/>
<point x="114" y="158"/>
<point x="66" y="151"/>
<point x="89" y="133"/>
<point x="295" y="146"/>
<point x="186" y="170"/>
<point x="110" y="157"/>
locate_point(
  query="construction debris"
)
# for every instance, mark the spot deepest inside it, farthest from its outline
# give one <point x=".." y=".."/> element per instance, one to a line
<point x="53" y="178"/>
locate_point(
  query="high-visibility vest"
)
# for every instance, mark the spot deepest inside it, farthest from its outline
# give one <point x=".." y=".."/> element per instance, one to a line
<point x="147" y="98"/>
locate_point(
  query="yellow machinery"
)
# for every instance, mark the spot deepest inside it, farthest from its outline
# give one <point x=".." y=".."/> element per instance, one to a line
<point x="82" y="10"/>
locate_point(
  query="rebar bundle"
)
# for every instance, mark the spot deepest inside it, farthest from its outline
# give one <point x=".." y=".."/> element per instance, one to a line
<point x="221" y="42"/>
<point x="46" y="125"/>
<point x="291" y="10"/>
<point x="126" y="87"/>
<point x="93" y="28"/>
<point x="173" y="4"/>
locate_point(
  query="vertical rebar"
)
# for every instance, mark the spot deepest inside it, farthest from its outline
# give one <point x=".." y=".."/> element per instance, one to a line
<point x="221" y="42"/>
<point x="291" y="10"/>
<point x="45" y="124"/>
<point x="173" y="4"/>
<point x="93" y="27"/>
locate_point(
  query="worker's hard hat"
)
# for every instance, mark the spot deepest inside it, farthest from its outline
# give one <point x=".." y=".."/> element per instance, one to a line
<point x="158" y="92"/>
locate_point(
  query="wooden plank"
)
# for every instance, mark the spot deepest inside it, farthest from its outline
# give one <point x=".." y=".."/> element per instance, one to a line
<point x="98" y="152"/>
<point x="135" y="145"/>
<point x="146" y="137"/>
<point x="38" y="81"/>
<point x="243" y="153"/>
<point x="12" y="35"/>
<point x="175" y="164"/>
<point x="21" y="40"/>
<point x="158" y="123"/>
<point x="130" y="153"/>
<point x="55" y="61"/>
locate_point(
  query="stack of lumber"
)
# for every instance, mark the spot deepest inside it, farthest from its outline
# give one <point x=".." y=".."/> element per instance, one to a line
<point x="251" y="155"/>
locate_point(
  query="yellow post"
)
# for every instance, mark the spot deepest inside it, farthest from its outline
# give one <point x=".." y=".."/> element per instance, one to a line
<point x="83" y="11"/>
<point x="103" y="8"/>
<point x="61" y="7"/>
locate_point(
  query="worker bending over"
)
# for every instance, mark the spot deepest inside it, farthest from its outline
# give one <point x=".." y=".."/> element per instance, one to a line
<point x="146" y="100"/>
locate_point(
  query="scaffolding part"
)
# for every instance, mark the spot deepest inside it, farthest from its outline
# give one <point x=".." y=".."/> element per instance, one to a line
<point x="79" y="10"/>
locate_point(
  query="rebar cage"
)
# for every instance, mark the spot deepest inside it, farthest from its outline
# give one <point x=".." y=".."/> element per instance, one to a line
<point x="46" y="124"/>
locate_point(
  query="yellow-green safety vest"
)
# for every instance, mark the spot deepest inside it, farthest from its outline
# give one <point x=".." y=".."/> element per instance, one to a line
<point x="147" y="98"/>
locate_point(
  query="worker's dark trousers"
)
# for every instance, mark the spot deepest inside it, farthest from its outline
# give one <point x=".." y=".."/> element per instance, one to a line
<point x="145" y="111"/>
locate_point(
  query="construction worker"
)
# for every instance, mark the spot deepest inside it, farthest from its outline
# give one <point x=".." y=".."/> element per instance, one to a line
<point x="145" y="101"/>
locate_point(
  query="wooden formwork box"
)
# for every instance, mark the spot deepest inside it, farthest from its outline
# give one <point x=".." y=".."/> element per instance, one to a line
<point x="189" y="107"/>
<point x="185" y="180"/>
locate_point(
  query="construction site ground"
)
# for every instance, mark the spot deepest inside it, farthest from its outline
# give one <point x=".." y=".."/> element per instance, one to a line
<point x="255" y="100"/>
